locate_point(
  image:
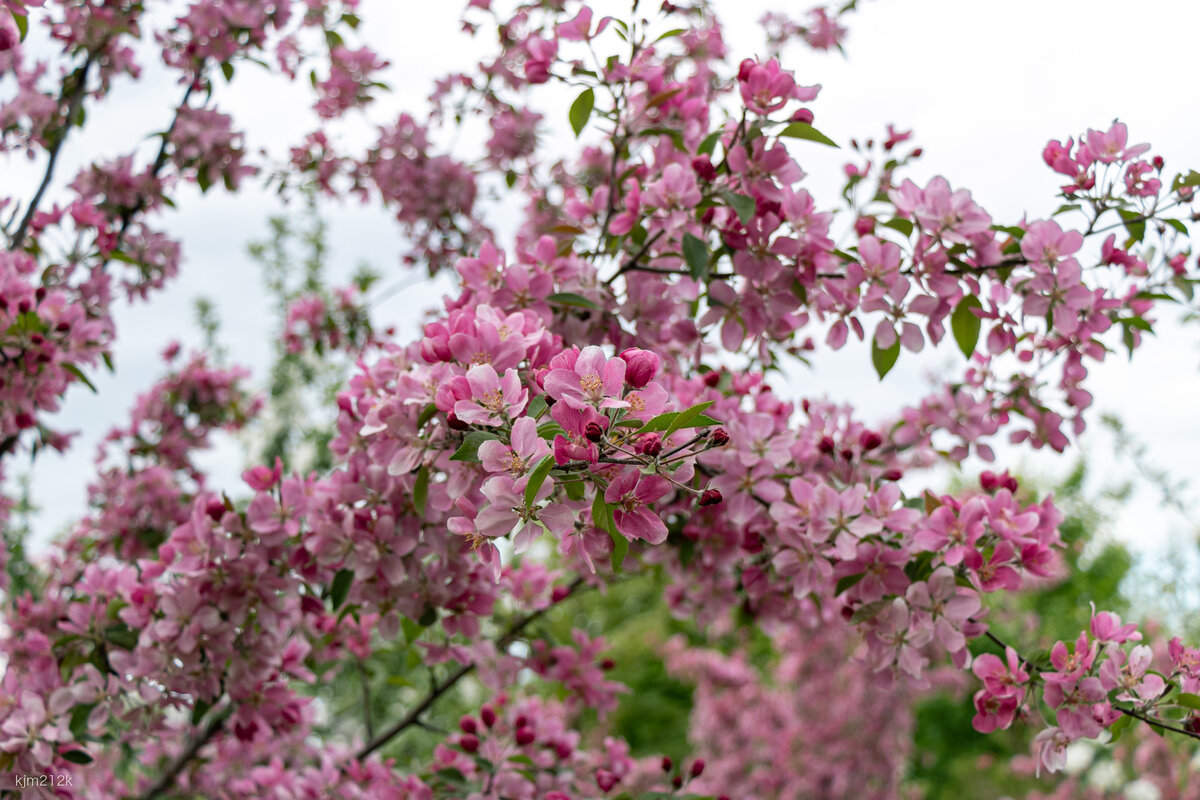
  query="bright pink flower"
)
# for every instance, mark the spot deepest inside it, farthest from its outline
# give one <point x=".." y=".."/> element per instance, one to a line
<point x="525" y="450"/>
<point x="494" y="400"/>
<point x="632" y="493"/>
<point x="595" y="381"/>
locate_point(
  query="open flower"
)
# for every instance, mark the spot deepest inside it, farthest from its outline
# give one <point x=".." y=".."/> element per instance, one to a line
<point x="493" y="399"/>
<point x="632" y="493"/>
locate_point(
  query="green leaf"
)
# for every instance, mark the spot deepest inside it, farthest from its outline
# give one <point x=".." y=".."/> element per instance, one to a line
<point x="571" y="299"/>
<point x="79" y="716"/>
<point x="537" y="478"/>
<point x="227" y="70"/>
<point x="427" y="413"/>
<point x="23" y="27"/>
<point x="966" y="325"/>
<point x="1191" y="701"/>
<point x="537" y="406"/>
<point x="1119" y="727"/>
<point x="709" y="144"/>
<point x="659" y="423"/>
<point x="847" y="581"/>
<point x="1177" y="225"/>
<point x="199" y="709"/>
<point x="602" y="517"/>
<point x="1065" y="208"/>
<point x="121" y="636"/>
<point x="340" y="587"/>
<point x="904" y="226"/>
<point x="77" y="756"/>
<point x="868" y="611"/>
<point x="1134" y="224"/>
<point x="743" y="205"/>
<point x="78" y="373"/>
<point x="421" y="490"/>
<point x="469" y="449"/>
<point x="687" y="417"/>
<point x="695" y="253"/>
<point x="884" y="360"/>
<point x="802" y="130"/>
<point x="581" y="110"/>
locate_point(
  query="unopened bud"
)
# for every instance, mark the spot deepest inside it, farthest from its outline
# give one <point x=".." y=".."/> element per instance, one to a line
<point x="607" y="664"/>
<point x="697" y="767"/>
<point x="677" y="781"/>
<point x="869" y="440"/>
<point x="525" y="736"/>
<point x="719" y="437"/>
<point x="650" y="444"/>
<point x="488" y="715"/>
<point x="703" y="167"/>
<point x="593" y="431"/>
<point x="826" y="445"/>
<point x="1158" y="162"/>
<point x="468" y="742"/>
<point x="864" y="225"/>
<point x="640" y="366"/>
<point x="710" y="497"/>
<point x="711" y="379"/>
<point x="666" y="764"/>
<point x="467" y="724"/>
<point x="803" y="115"/>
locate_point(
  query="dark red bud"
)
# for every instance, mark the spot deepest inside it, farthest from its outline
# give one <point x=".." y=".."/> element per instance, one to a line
<point x="697" y="767"/>
<point x="559" y="593"/>
<point x="25" y="420"/>
<point x="988" y="481"/>
<point x="710" y="497"/>
<point x="455" y="423"/>
<point x="593" y="432"/>
<point x="666" y="764"/>
<point x="711" y="379"/>
<point x="892" y="475"/>
<point x="468" y="742"/>
<point x="467" y="724"/>
<point x="677" y="781"/>
<point x="752" y="543"/>
<point x="704" y="169"/>
<point x="917" y="153"/>
<point x="869" y="440"/>
<point x="605" y="779"/>
<point x="562" y="749"/>
<point x="1158" y="162"/>
<point x="864" y="225"/>
<point x="525" y="736"/>
<point x="607" y="664"/>
<point x="826" y="445"/>
<point x="215" y="509"/>
<point x="847" y="454"/>
<point x="720" y="437"/>
<point x="488" y="715"/>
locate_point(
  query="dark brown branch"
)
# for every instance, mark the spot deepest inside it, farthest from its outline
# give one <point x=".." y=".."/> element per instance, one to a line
<point x="77" y="93"/>
<point x="167" y="779"/>
<point x="439" y="688"/>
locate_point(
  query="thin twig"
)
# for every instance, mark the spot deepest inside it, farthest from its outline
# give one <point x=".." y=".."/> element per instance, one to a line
<point x="439" y="688"/>
<point x="167" y="779"/>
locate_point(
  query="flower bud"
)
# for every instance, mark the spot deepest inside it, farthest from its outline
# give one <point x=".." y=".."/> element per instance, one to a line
<point x="703" y="167"/>
<point x="1158" y="162"/>
<point x="215" y="509"/>
<point x="607" y="664"/>
<point x="559" y="593"/>
<point x="666" y="764"/>
<point x="605" y="780"/>
<point x="468" y="742"/>
<point x="467" y="724"/>
<point x="710" y="497"/>
<point x="697" y="767"/>
<point x="864" y="225"/>
<point x="593" y="432"/>
<point x="640" y="366"/>
<point x="525" y="736"/>
<point x="869" y="440"/>
<point x="826" y="445"/>
<point x="677" y="781"/>
<point x="488" y="715"/>
<point x="719" y="437"/>
<point x="892" y="475"/>
<point x="803" y="115"/>
<point x="988" y="481"/>
<point x="650" y="444"/>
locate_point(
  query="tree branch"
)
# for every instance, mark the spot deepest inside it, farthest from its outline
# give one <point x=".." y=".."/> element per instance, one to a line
<point x="167" y="779"/>
<point x="439" y="688"/>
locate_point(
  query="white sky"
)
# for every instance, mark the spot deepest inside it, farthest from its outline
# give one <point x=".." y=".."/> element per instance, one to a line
<point x="983" y="84"/>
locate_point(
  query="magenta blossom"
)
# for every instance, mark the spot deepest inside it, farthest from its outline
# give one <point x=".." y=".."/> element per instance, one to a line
<point x="493" y="399"/>
<point x="595" y="381"/>
<point x="632" y="493"/>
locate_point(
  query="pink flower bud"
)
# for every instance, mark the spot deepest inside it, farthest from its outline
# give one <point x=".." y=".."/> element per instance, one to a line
<point x="262" y="478"/>
<point x="803" y="115"/>
<point x="467" y="724"/>
<point x="869" y="440"/>
<point x="525" y="736"/>
<point x="468" y="742"/>
<point x="711" y="497"/>
<point x="720" y="437"/>
<point x="488" y="715"/>
<point x="640" y="366"/>
<point x="697" y="767"/>
<point x="593" y="431"/>
<point x="864" y="225"/>
<point x="650" y="444"/>
<point x="605" y="780"/>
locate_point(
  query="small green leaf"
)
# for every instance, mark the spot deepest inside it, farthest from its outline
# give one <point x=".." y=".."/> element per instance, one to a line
<point x="884" y="360"/>
<point x="76" y="756"/>
<point x="421" y="490"/>
<point x="227" y="70"/>
<point x="847" y="581"/>
<point x="687" y="417"/>
<point x="340" y="587"/>
<point x="571" y="299"/>
<point x="802" y="130"/>
<point x="469" y="449"/>
<point x="1119" y="727"/>
<point x="121" y="636"/>
<point x="695" y="253"/>
<point x="581" y="110"/>
<point x="537" y="478"/>
<point x="743" y="205"/>
<point x="867" y="611"/>
<point x="1134" y="223"/>
<point x="966" y="325"/>
<point x="537" y="406"/>
<point x="23" y="27"/>
<point x="1187" y="700"/>
<point x="659" y="423"/>
<point x="904" y="226"/>
<point x="199" y="709"/>
<point x="427" y="414"/>
<point x="78" y="373"/>
<point x="709" y="144"/>
<point x="1177" y="225"/>
<point x="79" y="716"/>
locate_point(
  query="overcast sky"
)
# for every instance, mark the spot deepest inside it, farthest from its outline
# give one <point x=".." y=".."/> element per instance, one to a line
<point x="983" y="84"/>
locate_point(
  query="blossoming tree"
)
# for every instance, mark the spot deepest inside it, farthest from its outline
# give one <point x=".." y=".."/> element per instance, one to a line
<point x="593" y="404"/>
